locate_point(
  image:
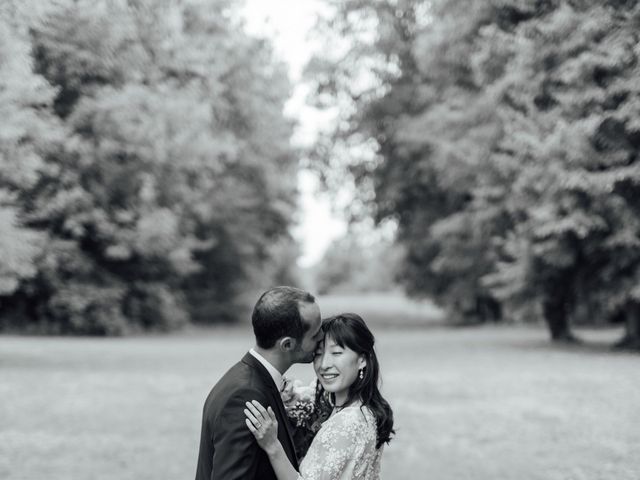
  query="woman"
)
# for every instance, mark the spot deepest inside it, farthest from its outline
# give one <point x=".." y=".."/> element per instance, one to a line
<point x="349" y="444"/>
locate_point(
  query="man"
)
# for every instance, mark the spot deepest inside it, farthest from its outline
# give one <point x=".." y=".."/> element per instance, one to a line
<point x="286" y="323"/>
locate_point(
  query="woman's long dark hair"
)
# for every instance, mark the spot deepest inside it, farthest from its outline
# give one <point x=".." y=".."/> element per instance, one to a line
<point x="349" y="330"/>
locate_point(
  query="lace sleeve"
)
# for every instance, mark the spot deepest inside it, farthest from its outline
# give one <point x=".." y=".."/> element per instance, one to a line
<point x="336" y="447"/>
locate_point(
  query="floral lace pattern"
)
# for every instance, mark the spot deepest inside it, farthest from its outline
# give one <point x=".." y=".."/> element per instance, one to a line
<point x="344" y="448"/>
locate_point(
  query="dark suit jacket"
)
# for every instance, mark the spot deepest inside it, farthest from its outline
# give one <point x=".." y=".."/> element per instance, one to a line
<point x="228" y="450"/>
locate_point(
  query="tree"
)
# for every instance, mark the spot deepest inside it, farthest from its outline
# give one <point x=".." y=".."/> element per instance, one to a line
<point x="569" y="98"/>
<point x="433" y="132"/>
<point x="173" y="181"/>
<point x="29" y="134"/>
<point x="507" y="141"/>
<point x="359" y="261"/>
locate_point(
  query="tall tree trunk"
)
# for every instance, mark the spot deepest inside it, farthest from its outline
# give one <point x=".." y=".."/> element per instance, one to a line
<point x="631" y="339"/>
<point x="488" y="309"/>
<point x="556" y="309"/>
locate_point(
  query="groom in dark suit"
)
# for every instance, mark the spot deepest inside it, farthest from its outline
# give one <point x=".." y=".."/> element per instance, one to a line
<point x="286" y="323"/>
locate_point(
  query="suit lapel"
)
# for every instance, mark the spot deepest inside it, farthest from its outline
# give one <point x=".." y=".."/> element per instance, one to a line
<point x="287" y="441"/>
<point x="282" y="414"/>
<point x="285" y="435"/>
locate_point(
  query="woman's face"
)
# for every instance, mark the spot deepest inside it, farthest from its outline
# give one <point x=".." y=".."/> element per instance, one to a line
<point x="337" y="367"/>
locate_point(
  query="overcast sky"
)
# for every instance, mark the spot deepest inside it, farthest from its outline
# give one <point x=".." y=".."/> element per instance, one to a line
<point x="287" y="23"/>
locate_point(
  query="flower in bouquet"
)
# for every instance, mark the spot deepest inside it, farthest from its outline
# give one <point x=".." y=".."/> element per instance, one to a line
<point x="306" y="409"/>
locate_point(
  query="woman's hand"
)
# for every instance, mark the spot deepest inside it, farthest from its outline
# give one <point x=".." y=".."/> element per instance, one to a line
<point x="263" y="424"/>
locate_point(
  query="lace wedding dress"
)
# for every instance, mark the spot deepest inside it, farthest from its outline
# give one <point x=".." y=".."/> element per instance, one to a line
<point x="344" y="448"/>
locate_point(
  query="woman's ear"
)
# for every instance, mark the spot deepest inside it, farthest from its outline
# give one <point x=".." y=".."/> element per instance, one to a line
<point x="362" y="362"/>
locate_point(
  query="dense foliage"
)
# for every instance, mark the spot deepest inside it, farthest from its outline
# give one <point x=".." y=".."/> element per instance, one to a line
<point x="358" y="262"/>
<point x="507" y="135"/>
<point x="146" y="173"/>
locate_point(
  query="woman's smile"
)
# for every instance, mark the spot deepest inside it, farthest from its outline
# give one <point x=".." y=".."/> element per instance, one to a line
<point x="329" y="377"/>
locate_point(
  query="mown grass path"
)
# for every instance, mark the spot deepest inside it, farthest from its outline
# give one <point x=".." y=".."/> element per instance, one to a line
<point x="480" y="404"/>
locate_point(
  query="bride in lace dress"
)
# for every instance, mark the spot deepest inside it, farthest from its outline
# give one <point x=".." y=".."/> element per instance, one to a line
<point x="350" y="442"/>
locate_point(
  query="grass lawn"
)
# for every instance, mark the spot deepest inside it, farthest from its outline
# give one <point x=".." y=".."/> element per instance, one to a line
<point x="482" y="404"/>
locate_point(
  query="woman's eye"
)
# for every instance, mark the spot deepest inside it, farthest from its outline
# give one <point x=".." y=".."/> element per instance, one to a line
<point x="336" y="353"/>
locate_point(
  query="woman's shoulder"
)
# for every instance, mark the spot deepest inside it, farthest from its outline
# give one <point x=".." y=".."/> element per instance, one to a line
<point x="350" y="426"/>
<point x="356" y="416"/>
<point x="357" y="409"/>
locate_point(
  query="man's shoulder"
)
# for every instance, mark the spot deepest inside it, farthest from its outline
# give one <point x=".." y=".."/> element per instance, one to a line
<point x="240" y="379"/>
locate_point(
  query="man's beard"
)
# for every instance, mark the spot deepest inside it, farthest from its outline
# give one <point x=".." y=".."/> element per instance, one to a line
<point x="305" y="357"/>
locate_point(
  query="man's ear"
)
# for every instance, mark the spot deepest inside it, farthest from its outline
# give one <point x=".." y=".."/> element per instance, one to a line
<point x="287" y="344"/>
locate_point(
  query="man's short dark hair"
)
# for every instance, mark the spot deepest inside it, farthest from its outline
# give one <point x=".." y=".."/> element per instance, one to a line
<point x="277" y="315"/>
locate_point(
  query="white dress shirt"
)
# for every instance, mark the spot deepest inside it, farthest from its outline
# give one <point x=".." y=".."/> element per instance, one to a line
<point x="273" y="371"/>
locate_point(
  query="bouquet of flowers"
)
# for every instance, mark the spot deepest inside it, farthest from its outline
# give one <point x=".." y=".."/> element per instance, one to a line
<point x="307" y="408"/>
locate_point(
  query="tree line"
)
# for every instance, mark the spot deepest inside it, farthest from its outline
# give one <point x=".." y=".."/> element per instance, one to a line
<point x="146" y="175"/>
<point x="506" y="137"/>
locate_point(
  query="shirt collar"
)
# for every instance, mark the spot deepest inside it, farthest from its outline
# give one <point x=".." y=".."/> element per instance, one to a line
<point x="273" y="371"/>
